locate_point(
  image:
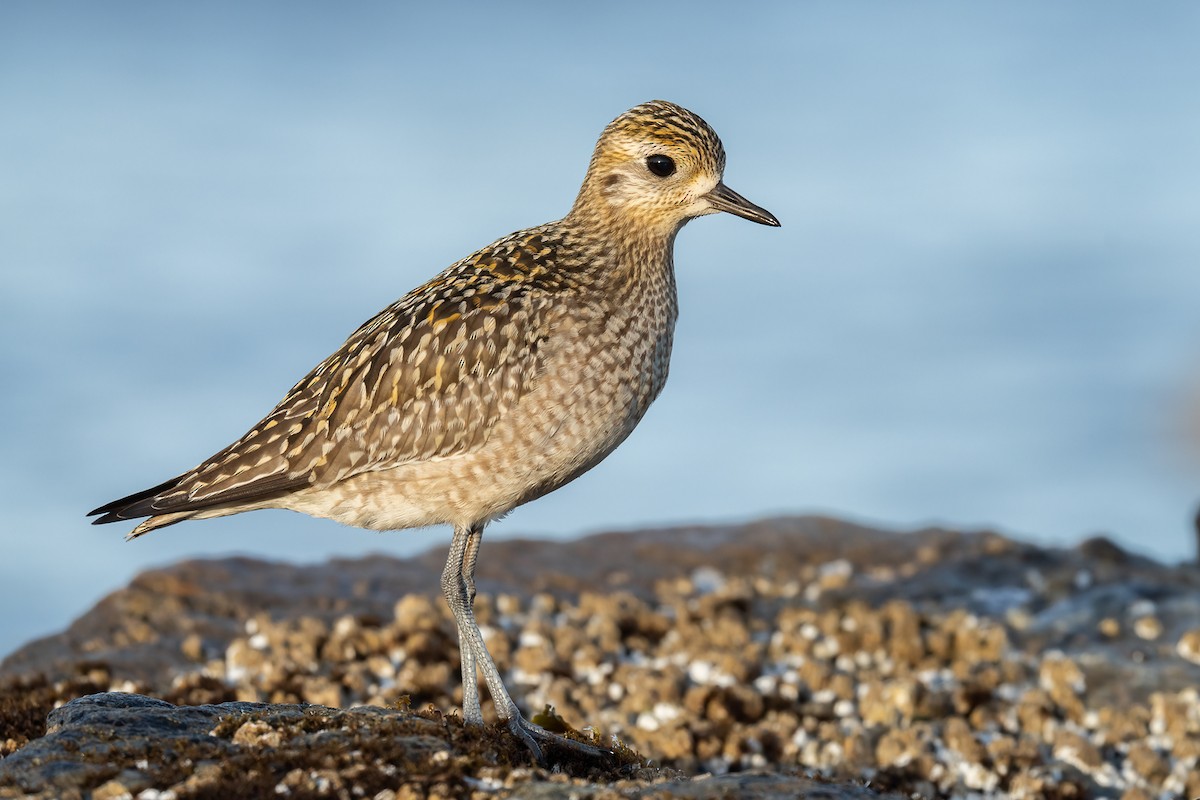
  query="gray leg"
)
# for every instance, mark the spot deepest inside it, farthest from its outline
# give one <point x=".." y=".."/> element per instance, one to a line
<point x="458" y="586"/>
<point x="472" y="711"/>
<point x="457" y="590"/>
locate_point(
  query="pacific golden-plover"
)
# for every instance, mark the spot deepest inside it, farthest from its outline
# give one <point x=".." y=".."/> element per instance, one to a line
<point x="511" y="373"/>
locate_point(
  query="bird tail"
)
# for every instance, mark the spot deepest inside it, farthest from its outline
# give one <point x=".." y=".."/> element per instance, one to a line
<point x="141" y="504"/>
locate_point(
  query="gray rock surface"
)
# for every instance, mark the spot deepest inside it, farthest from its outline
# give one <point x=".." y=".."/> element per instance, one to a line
<point x="791" y="657"/>
<point x="117" y="744"/>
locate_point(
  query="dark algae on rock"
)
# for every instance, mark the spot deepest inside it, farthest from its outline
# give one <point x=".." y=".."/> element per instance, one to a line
<point x="134" y="743"/>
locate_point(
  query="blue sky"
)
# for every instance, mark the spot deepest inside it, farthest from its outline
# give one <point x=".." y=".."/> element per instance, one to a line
<point x="981" y="310"/>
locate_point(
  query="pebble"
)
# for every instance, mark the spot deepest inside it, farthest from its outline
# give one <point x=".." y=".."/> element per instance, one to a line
<point x="1188" y="646"/>
<point x="1148" y="628"/>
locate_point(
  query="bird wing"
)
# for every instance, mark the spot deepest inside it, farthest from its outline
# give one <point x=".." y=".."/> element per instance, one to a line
<point x="428" y="377"/>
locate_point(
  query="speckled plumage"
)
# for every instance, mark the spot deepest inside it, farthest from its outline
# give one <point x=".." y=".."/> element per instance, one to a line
<point x="506" y="376"/>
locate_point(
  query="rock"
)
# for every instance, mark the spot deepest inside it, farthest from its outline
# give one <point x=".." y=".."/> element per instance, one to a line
<point x="1064" y="683"/>
<point x="111" y="745"/>
<point x="934" y="664"/>
<point x="1188" y="646"/>
<point x="1148" y="627"/>
<point x="92" y="739"/>
<point x="1148" y="764"/>
<point x="1072" y="748"/>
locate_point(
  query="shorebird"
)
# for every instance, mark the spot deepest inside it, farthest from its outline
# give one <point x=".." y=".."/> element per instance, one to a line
<point x="508" y="375"/>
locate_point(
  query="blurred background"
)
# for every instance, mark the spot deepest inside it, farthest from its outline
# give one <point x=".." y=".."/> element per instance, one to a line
<point x="981" y="310"/>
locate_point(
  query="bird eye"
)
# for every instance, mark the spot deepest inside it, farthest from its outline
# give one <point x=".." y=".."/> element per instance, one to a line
<point x="662" y="166"/>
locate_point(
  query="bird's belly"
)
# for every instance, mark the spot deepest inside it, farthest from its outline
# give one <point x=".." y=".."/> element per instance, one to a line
<point x="523" y="460"/>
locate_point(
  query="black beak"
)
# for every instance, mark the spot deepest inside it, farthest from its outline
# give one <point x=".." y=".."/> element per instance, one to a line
<point x="723" y="198"/>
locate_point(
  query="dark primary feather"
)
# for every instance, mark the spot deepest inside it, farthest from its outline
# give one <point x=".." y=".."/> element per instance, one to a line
<point x="132" y="506"/>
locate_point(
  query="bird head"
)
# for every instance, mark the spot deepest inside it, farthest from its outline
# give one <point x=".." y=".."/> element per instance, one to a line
<point x="657" y="166"/>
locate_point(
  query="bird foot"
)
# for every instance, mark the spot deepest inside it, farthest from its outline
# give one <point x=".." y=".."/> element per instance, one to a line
<point x="538" y="740"/>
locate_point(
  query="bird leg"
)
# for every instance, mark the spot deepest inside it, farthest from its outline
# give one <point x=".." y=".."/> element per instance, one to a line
<point x="472" y="711"/>
<point x="458" y="586"/>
